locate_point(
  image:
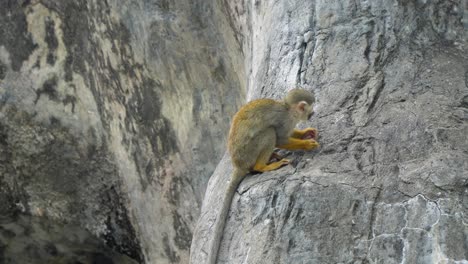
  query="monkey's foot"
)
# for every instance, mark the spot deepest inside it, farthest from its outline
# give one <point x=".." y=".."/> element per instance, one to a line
<point x="272" y="166"/>
<point x="308" y="133"/>
<point x="295" y="144"/>
<point x="275" y="156"/>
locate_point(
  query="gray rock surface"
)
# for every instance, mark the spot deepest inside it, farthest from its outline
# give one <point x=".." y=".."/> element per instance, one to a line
<point x="113" y="115"/>
<point x="38" y="240"/>
<point x="390" y="181"/>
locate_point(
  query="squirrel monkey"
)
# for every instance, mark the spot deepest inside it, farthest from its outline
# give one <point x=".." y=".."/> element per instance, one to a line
<point x="257" y="128"/>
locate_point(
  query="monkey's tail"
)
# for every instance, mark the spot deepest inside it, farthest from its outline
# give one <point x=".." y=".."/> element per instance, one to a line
<point x="236" y="178"/>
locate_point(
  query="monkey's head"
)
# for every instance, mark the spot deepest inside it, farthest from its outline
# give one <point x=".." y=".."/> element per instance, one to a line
<point x="301" y="101"/>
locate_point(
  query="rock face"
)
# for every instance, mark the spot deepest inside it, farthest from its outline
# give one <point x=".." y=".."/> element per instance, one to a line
<point x="390" y="181"/>
<point x="27" y="239"/>
<point x="113" y="115"/>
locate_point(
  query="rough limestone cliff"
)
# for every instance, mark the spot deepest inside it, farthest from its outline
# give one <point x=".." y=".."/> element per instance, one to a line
<point x="390" y="181"/>
<point x="113" y="115"/>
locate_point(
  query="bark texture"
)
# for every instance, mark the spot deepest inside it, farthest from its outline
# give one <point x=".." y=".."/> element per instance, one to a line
<point x="390" y="181"/>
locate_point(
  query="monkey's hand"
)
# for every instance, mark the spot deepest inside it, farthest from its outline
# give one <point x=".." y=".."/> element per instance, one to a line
<point x="311" y="144"/>
<point x="295" y="144"/>
<point x="308" y="133"/>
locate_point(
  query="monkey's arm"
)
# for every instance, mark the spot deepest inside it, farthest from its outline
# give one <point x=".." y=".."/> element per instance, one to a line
<point x="296" y="144"/>
<point x="308" y="133"/>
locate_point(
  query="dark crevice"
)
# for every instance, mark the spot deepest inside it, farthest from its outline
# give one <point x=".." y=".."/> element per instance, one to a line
<point x="372" y="214"/>
<point x="377" y="95"/>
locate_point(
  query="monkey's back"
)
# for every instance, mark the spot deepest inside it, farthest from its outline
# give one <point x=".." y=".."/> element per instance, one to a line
<point x="253" y="126"/>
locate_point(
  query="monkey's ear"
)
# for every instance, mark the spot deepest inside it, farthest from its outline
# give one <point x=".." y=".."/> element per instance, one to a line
<point x="301" y="106"/>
